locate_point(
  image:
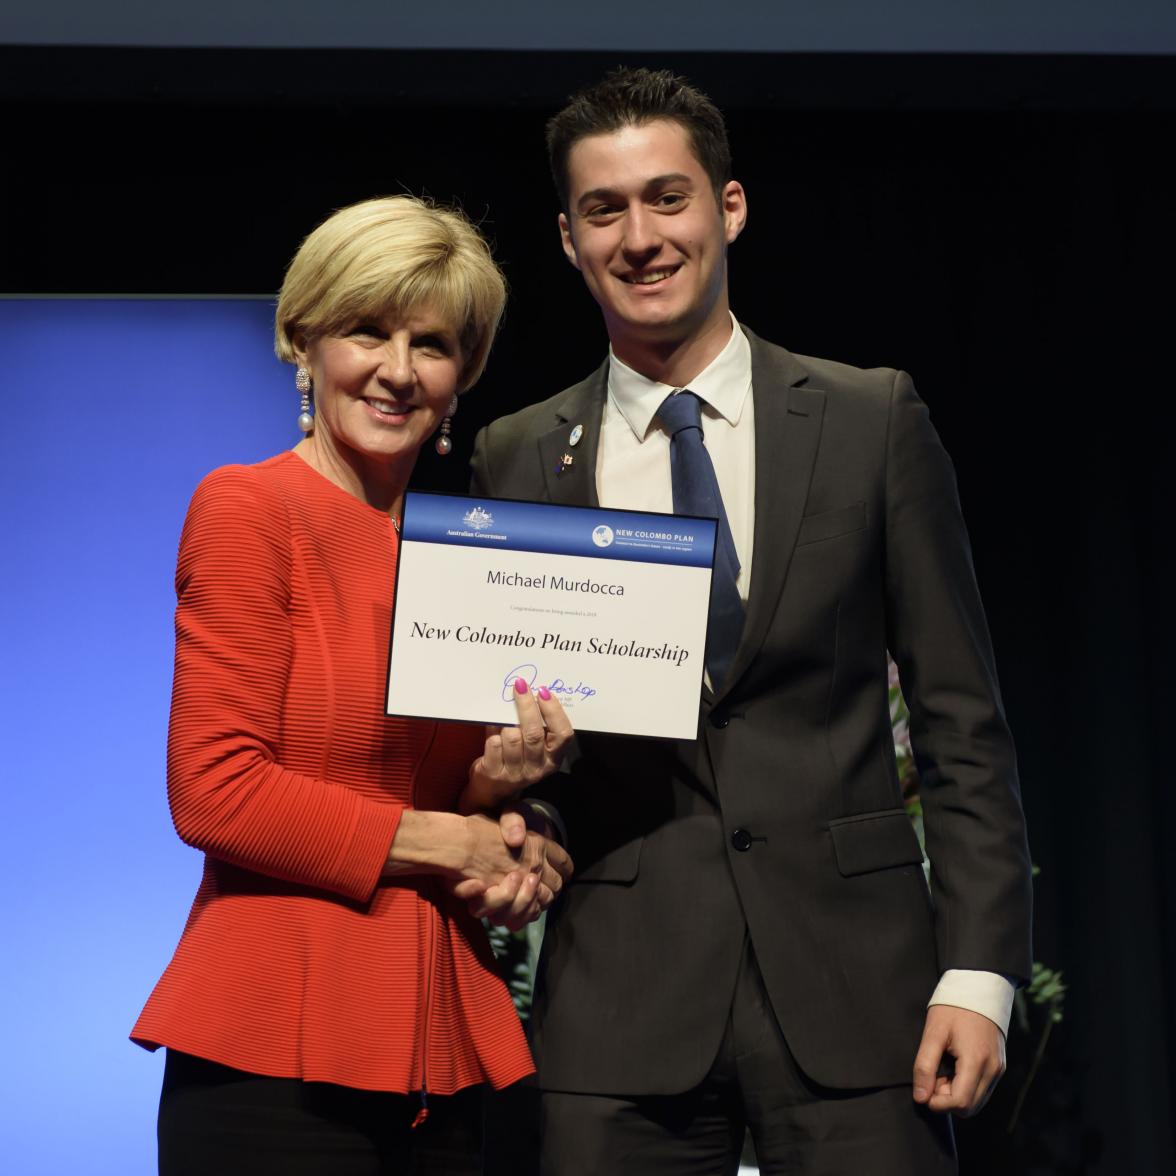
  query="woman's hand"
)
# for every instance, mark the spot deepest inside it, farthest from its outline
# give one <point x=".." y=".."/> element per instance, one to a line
<point x="516" y="757"/>
<point x="540" y="869"/>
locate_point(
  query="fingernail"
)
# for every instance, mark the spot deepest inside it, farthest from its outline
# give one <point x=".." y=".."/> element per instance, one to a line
<point x="544" y="694"/>
<point x="920" y="1092"/>
<point x="520" y="686"/>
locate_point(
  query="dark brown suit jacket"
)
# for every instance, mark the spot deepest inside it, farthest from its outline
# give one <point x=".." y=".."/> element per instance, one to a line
<point x="859" y="548"/>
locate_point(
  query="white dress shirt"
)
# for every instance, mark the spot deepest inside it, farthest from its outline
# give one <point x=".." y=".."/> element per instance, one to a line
<point x="633" y="473"/>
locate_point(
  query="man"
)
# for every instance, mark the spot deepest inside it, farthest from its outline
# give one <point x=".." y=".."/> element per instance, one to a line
<point x="750" y="939"/>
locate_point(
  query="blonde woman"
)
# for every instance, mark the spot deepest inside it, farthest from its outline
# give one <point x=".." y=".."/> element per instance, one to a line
<point x="332" y="973"/>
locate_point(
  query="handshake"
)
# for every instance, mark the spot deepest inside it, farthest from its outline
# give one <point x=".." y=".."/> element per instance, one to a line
<point x="498" y="852"/>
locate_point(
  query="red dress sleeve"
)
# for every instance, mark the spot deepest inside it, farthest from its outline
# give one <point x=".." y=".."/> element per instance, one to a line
<point x="229" y="794"/>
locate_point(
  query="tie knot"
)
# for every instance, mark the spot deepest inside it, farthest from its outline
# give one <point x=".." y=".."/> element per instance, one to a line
<point x="680" y="410"/>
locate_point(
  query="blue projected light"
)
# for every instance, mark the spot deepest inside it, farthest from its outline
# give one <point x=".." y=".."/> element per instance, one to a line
<point x="114" y="410"/>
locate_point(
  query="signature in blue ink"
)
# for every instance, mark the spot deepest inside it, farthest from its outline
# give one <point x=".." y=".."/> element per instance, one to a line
<point x="529" y="672"/>
<point x="580" y="690"/>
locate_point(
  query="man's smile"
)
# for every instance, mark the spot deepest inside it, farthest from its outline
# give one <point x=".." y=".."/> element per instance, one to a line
<point x="650" y="277"/>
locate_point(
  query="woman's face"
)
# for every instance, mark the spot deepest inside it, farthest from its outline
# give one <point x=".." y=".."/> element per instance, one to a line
<point x="382" y="388"/>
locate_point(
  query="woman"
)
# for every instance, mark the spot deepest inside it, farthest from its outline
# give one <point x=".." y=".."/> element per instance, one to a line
<point x="329" y="953"/>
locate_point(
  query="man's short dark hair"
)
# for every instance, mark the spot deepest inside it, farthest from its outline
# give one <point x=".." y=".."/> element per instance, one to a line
<point x="632" y="97"/>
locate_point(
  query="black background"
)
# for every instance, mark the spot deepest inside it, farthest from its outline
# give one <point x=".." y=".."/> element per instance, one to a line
<point x="999" y="226"/>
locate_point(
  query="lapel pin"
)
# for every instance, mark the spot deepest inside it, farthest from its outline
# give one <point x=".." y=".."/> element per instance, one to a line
<point x="577" y="433"/>
<point x="564" y="463"/>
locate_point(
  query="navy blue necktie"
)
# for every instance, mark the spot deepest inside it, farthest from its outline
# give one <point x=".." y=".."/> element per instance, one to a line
<point x="696" y="492"/>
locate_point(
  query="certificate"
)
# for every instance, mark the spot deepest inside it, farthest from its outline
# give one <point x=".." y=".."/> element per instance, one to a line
<point x="606" y="608"/>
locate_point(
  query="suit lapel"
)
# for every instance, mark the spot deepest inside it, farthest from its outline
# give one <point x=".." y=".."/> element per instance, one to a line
<point x="574" y="484"/>
<point x="788" y="420"/>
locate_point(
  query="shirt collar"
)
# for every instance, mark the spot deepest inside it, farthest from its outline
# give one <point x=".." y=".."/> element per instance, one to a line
<point x="724" y="384"/>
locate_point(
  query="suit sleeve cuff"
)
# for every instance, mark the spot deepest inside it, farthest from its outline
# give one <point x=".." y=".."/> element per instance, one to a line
<point x="987" y="993"/>
<point x="547" y="810"/>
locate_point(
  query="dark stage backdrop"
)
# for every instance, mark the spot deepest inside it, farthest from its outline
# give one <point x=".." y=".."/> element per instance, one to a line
<point x="1072" y="26"/>
<point x="1000" y="226"/>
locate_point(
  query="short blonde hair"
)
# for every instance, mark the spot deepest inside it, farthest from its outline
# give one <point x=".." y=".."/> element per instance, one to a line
<point x="393" y="253"/>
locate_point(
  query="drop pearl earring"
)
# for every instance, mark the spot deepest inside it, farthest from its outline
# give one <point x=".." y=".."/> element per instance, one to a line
<point x="443" y="444"/>
<point x="303" y="384"/>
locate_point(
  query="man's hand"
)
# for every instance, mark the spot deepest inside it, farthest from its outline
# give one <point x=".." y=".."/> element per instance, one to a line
<point x="516" y="757"/>
<point x="977" y="1046"/>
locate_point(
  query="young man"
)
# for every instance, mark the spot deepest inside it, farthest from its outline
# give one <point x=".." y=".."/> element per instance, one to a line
<point x="749" y="938"/>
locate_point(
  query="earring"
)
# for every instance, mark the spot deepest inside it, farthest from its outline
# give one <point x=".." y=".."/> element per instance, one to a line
<point x="305" y="416"/>
<point x="443" y="444"/>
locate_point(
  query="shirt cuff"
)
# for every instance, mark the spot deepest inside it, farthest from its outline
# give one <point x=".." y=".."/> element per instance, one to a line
<point x="987" y="993"/>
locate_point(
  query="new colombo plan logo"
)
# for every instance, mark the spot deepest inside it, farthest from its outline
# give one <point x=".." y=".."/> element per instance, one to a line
<point x="478" y="519"/>
<point x="602" y="536"/>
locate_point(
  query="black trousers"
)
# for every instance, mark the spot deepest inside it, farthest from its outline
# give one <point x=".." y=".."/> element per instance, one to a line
<point x="217" y="1121"/>
<point x="799" y="1128"/>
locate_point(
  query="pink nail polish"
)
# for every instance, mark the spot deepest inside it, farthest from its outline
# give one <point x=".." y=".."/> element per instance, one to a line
<point x="544" y="694"/>
<point x="520" y="686"/>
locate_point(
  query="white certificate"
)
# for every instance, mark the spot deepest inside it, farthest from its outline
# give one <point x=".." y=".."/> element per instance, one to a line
<point x="605" y="608"/>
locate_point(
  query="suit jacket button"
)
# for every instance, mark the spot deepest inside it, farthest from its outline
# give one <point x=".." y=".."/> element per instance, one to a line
<point x="719" y="721"/>
<point x="741" y="840"/>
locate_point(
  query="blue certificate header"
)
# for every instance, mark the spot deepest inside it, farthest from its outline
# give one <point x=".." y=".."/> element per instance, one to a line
<point x="558" y="530"/>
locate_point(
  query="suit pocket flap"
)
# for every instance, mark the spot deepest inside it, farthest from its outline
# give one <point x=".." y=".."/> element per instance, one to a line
<point x="831" y="523"/>
<point x="617" y="865"/>
<point x="874" y="841"/>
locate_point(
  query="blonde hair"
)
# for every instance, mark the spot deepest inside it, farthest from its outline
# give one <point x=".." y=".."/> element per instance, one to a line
<point x="394" y="253"/>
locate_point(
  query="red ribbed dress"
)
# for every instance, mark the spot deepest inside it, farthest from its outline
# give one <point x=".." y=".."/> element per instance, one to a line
<point x="298" y="960"/>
